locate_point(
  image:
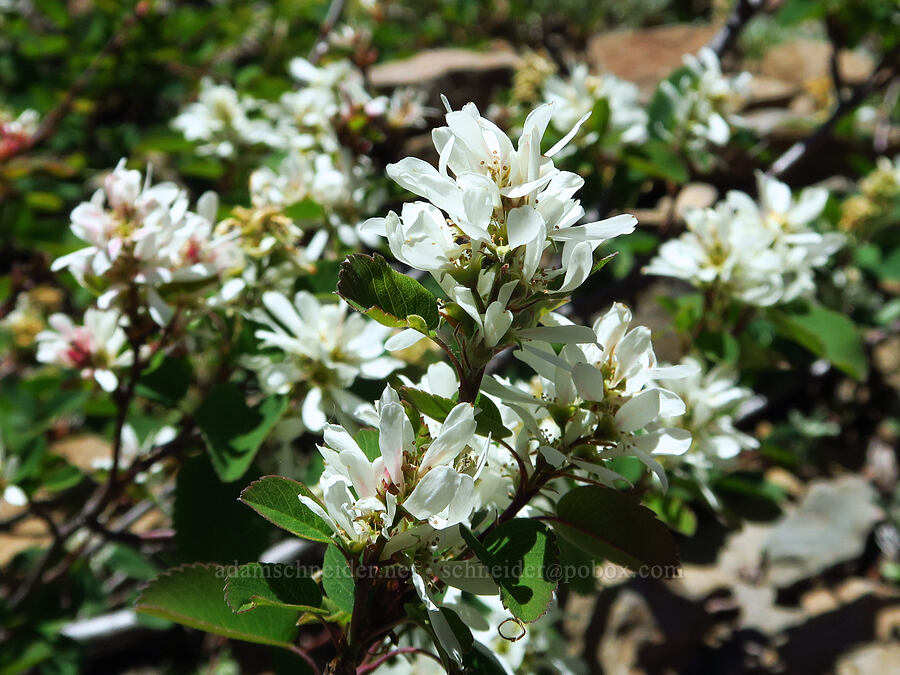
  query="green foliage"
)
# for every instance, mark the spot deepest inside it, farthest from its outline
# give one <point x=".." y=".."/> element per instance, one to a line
<point x="337" y="579"/>
<point x="270" y="584"/>
<point x="166" y="381"/>
<point x="827" y="334"/>
<point x="522" y="557"/>
<point x="614" y="525"/>
<point x="192" y="595"/>
<point x="234" y="431"/>
<point x="276" y="499"/>
<point x="210" y="524"/>
<point x="370" y="286"/>
<point x="487" y="419"/>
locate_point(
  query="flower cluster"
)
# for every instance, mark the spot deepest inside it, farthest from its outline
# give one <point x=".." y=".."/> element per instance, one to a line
<point x="144" y="236"/>
<point x="223" y="121"/>
<point x="423" y="477"/>
<point x="761" y="253"/>
<point x="703" y="102"/>
<point x="306" y="125"/>
<point x="580" y="93"/>
<point x="323" y="349"/>
<point x="713" y="400"/>
<point x="97" y="349"/>
<point x="493" y="210"/>
<point x="594" y="402"/>
<point x="16" y="130"/>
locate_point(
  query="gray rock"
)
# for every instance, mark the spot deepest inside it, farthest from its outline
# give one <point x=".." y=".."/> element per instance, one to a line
<point x="829" y="527"/>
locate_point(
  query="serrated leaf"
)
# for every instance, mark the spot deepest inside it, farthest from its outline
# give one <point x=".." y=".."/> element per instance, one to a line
<point x="826" y="333"/>
<point x="372" y="287"/>
<point x="192" y="595"/>
<point x="275" y="498"/>
<point x="613" y="525"/>
<point x="337" y="579"/>
<point x="233" y="431"/>
<point x="272" y="584"/>
<point x="522" y="557"/>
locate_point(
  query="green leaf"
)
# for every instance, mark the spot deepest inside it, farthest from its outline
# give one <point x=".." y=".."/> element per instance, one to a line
<point x="166" y="381"/>
<point x="657" y="160"/>
<point x="337" y="579"/>
<point x="674" y="512"/>
<point x="270" y="584"/>
<point x="487" y="420"/>
<point x="192" y="595"/>
<point x="304" y="210"/>
<point x="275" y="498"/>
<point x="600" y="115"/>
<point x="613" y="525"/>
<point x="794" y="12"/>
<point x="367" y="440"/>
<point x="522" y="557"/>
<point x="370" y="286"/>
<point x="827" y="334"/>
<point x="481" y="660"/>
<point x="233" y="431"/>
<point x="210" y="524"/>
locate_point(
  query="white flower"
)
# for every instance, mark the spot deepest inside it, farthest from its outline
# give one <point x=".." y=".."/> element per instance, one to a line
<point x="132" y="448"/>
<point x="221" y="118"/>
<point x="577" y="95"/>
<point x="713" y="401"/>
<point x="762" y="254"/>
<point x="143" y="234"/>
<point x="703" y="104"/>
<point x="492" y="199"/>
<point x="96" y="348"/>
<point x="610" y="385"/>
<point x="323" y="348"/>
<point x="434" y="485"/>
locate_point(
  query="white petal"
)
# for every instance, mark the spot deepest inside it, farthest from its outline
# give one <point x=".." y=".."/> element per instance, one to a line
<point x="572" y="334"/>
<point x="433" y="493"/>
<point x="403" y="339"/>
<point x="313" y="416"/>
<point x="456" y="432"/>
<point x="639" y="411"/>
<point x="391" y="437"/>
<point x="523" y="224"/>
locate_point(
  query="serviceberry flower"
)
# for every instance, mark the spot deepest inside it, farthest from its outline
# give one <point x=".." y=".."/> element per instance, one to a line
<point x="97" y="348"/>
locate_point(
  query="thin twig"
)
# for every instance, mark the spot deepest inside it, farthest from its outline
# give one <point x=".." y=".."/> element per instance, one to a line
<point x="331" y="18"/>
<point x="381" y="660"/>
<point x="743" y="11"/>
<point x="883" y="73"/>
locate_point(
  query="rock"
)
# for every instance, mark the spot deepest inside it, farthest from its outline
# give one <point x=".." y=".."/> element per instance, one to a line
<point x="462" y="74"/>
<point x="647" y="56"/>
<point x="766" y="91"/>
<point x="802" y="60"/>
<point x="82" y="450"/>
<point x="695" y="195"/>
<point x="829" y="527"/>
<point x="870" y="659"/>
<point x="785" y="480"/>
